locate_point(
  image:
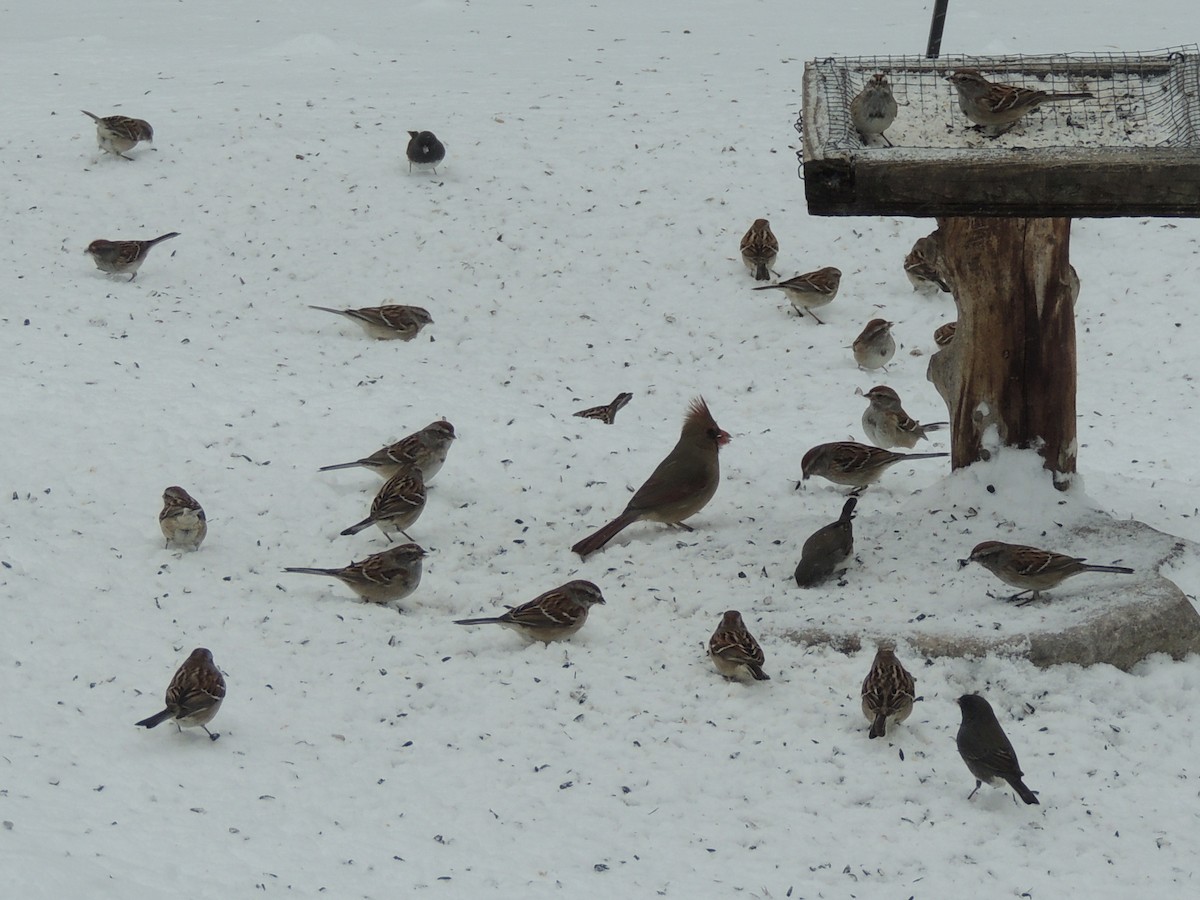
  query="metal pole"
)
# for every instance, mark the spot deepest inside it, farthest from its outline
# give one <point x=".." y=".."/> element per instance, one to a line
<point x="935" y="29"/>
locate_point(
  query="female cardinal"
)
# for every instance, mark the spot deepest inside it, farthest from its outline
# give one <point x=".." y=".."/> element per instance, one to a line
<point x="679" y="488"/>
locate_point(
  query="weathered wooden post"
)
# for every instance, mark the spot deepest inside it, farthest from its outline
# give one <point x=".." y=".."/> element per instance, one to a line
<point x="1126" y="143"/>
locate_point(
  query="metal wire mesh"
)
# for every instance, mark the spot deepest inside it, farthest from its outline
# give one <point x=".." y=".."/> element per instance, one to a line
<point x="1140" y="100"/>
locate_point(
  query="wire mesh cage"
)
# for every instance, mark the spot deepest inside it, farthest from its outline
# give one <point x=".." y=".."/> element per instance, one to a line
<point x="1143" y="109"/>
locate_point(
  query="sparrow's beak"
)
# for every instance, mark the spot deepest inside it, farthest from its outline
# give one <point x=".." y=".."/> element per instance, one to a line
<point x="963" y="562"/>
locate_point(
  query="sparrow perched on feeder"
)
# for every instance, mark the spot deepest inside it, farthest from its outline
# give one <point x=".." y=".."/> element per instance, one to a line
<point x="759" y="249"/>
<point x="945" y="334"/>
<point x="424" y="151"/>
<point x="384" y="323"/>
<point x="116" y="134"/>
<point x="679" y="488"/>
<point x="995" y="105"/>
<point x="986" y="750"/>
<point x="194" y="694"/>
<point x="425" y="450"/>
<point x="119" y="257"/>
<point x="734" y="651"/>
<point x="809" y="291"/>
<point x="552" y="616"/>
<point x="888" y="692"/>
<point x="1030" y="569"/>
<point x="873" y="109"/>
<point x="886" y="423"/>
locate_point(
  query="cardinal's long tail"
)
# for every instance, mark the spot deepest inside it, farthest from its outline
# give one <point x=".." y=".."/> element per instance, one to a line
<point x="594" y="542"/>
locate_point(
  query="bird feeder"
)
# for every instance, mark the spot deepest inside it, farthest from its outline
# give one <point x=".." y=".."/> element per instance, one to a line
<point x="1004" y="206"/>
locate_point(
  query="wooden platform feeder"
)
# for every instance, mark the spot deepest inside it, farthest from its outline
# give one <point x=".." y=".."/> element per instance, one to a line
<point x="1004" y="207"/>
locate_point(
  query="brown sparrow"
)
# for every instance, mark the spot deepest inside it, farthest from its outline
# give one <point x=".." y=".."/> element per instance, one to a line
<point x="849" y="463"/>
<point x="425" y="450"/>
<point x="386" y="323"/>
<point x="397" y="506"/>
<point x="923" y="266"/>
<point x="607" y="413"/>
<point x="809" y="291"/>
<point x="873" y="109"/>
<point x="424" y="151"/>
<point x="888" y="692"/>
<point x="875" y="346"/>
<point x="116" y="134"/>
<point x="985" y="748"/>
<point x="194" y="694"/>
<point x="552" y="616"/>
<point x="886" y="423"/>
<point x="381" y="577"/>
<point x="998" y="105"/>
<point x="759" y="249"/>
<point x="1030" y="569"/>
<point x="679" y="488"/>
<point x="119" y="257"/>
<point x="945" y="334"/>
<point x="827" y="548"/>
<point x="182" y="520"/>
<point x="734" y="651"/>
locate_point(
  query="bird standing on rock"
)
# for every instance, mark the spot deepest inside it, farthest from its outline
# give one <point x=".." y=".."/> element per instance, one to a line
<point x="680" y="487"/>
<point x="1030" y="569"/>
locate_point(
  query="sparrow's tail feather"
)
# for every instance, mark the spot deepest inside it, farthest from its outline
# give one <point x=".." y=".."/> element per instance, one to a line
<point x="757" y="672"/>
<point x="360" y="526"/>
<point x="349" y="465"/>
<point x="879" y="726"/>
<point x="156" y="719"/>
<point x="490" y="620"/>
<point x="594" y="542"/>
<point x="309" y="571"/>
<point x="1120" y="570"/>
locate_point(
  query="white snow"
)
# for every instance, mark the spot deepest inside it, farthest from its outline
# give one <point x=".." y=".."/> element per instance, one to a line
<point x="603" y="162"/>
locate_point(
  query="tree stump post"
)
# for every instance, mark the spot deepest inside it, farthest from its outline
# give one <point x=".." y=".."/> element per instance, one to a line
<point x="1011" y="365"/>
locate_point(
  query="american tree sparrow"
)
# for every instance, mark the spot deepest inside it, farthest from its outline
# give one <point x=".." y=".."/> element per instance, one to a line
<point x="998" y="106"/>
<point x="886" y="423"/>
<point x="945" y="334"/>
<point x="873" y="109"/>
<point x="379" y="578"/>
<point x="397" y="506"/>
<point x="1030" y="569"/>
<point x="809" y="291"/>
<point x="607" y="413"/>
<point x="986" y="750"/>
<point x="875" y="346"/>
<point x="194" y="694"/>
<point x="386" y="323"/>
<point x="425" y="450"/>
<point x="552" y="616"/>
<point x="734" y="651"/>
<point x="119" y="257"/>
<point x="116" y="134"/>
<point x="853" y="464"/>
<point x="923" y="266"/>
<point x="759" y="249"/>
<point x="182" y="520"/>
<point x="888" y="692"/>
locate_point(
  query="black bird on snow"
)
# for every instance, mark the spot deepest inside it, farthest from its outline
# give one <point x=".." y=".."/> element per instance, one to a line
<point x="425" y="151"/>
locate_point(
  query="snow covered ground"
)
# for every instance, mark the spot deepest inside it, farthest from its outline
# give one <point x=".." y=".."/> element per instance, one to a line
<point x="581" y="239"/>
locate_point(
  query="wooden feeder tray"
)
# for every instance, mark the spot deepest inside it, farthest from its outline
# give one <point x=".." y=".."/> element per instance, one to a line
<point x="1133" y="150"/>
